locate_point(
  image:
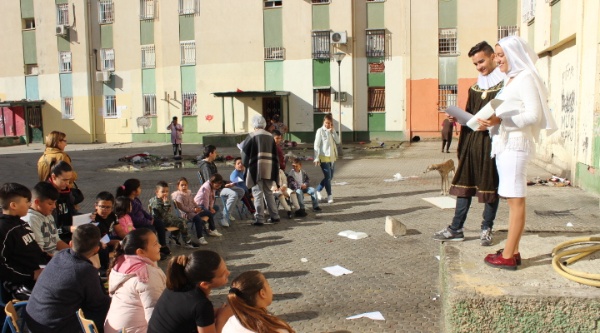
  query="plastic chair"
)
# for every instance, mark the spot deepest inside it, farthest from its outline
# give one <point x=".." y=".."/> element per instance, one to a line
<point x="12" y="317"/>
<point x="87" y="325"/>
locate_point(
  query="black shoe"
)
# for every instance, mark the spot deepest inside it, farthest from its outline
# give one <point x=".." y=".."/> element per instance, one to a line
<point x="175" y="239"/>
<point x="257" y="224"/>
<point x="289" y="214"/>
<point x="317" y="209"/>
<point x="165" y="250"/>
<point x="275" y="220"/>
<point x="301" y="213"/>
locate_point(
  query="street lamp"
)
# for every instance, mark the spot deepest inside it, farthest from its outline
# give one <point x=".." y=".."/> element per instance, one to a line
<point x="338" y="57"/>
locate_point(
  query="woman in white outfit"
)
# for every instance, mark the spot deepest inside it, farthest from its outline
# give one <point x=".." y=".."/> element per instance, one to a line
<point x="326" y="139"/>
<point x="517" y="124"/>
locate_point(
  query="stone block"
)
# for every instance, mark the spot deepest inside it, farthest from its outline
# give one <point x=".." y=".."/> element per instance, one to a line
<point x="394" y="227"/>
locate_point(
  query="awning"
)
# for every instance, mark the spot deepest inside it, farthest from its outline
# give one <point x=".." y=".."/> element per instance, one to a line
<point x="22" y="102"/>
<point x="268" y="93"/>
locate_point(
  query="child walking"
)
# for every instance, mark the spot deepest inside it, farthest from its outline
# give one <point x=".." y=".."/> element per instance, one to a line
<point x="447" y="125"/>
<point x="184" y="306"/>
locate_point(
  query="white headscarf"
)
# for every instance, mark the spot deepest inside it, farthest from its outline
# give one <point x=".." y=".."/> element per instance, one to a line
<point x="520" y="56"/>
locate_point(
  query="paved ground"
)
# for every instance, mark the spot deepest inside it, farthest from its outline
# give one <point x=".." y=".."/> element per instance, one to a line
<point x="398" y="277"/>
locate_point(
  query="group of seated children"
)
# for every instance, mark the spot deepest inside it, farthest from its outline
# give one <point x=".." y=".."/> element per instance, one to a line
<point x="61" y="278"/>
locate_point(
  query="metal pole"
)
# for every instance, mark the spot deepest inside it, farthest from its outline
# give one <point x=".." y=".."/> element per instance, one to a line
<point x="340" y="152"/>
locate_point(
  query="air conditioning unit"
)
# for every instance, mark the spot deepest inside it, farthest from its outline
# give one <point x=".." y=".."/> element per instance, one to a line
<point x="338" y="37"/>
<point x="61" y="30"/>
<point x="103" y="76"/>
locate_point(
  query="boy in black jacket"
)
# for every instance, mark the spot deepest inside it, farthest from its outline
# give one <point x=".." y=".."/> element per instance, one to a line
<point x="69" y="282"/>
<point x="20" y="254"/>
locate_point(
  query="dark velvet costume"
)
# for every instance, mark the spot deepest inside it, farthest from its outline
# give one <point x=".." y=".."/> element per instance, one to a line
<point x="476" y="174"/>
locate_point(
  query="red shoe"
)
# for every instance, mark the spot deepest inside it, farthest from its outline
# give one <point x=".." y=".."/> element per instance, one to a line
<point x="517" y="256"/>
<point x="496" y="260"/>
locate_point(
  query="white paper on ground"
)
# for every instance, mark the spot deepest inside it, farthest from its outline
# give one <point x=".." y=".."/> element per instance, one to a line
<point x="375" y="315"/>
<point x="352" y="234"/>
<point x="81" y="219"/>
<point x="485" y="113"/>
<point x="105" y="239"/>
<point x="337" y="270"/>
<point x="340" y="183"/>
<point x="442" y="202"/>
<point x="461" y="115"/>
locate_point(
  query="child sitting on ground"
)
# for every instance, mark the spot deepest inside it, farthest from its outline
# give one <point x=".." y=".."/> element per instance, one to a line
<point x="283" y="194"/>
<point x="189" y="210"/>
<point x="40" y="219"/>
<point x="160" y="205"/>
<point x="20" y="254"/>
<point x="124" y="223"/>
<point x="299" y="182"/>
<point x="237" y="177"/>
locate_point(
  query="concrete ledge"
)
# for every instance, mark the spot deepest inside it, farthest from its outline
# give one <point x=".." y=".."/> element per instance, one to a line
<point x="223" y="140"/>
<point x="10" y="141"/>
<point x="479" y="298"/>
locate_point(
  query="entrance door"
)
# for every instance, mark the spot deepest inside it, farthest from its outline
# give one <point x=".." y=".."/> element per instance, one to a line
<point x="271" y="107"/>
<point x="34" y="118"/>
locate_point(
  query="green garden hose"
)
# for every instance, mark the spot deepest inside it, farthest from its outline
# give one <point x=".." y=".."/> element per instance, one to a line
<point x="560" y="266"/>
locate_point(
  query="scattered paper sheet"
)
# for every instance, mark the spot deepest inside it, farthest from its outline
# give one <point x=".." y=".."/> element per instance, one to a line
<point x="337" y="270"/>
<point x="340" y="183"/>
<point x="105" y="239"/>
<point x="81" y="219"/>
<point x="376" y="315"/>
<point x="352" y="234"/>
<point x="569" y="224"/>
<point x="442" y="202"/>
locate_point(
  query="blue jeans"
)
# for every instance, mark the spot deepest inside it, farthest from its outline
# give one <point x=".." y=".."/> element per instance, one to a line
<point x="313" y="197"/>
<point x="462" y="209"/>
<point x="327" y="168"/>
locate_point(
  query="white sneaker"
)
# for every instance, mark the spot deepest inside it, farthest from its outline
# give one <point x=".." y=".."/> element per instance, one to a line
<point x="202" y="241"/>
<point x="231" y="218"/>
<point x="330" y="199"/>
<point x="214" y="233"/>
<point x="319" y="197"/>
<point x="224" y="223"/>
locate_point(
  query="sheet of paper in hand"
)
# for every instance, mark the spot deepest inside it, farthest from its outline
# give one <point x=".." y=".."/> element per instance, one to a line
<point x="461" y="115"/>
<point x="485" y="113"/>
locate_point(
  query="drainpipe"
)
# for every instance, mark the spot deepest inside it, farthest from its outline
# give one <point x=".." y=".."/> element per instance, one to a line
<point x="354" y="55"/>
<point x="91" y="73"/>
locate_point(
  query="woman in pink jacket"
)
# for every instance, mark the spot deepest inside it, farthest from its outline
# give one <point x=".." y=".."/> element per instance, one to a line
<point x="135" y="282"/>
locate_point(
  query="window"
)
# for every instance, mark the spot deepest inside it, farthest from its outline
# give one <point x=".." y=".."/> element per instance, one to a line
<point x="107" y="56"/>
<point x="189" y="7"/>
<point x="528" y="10"/>
<point x="106" y="11"/>
<point x="188" y="52"/>
<point x="189" y="104"/>
<point x="319" y="2"/>
<point x="321" y="45"/>
<point x="376" y="43"/>
<point x="274" y="53"/>
<point x="272" y="4"/>
<point x="62" y="14"/>
<point x="505" y="31"/>
<point x="64" y="62"/>
<point x="447" y="95"/>
<point x="32" y="69"/>
<point x="322" y="100"/>
<point x="149" y="105"/>
<point x="28" y="23"/>
<point x="447" y="41"/>
<point x="146" y="9"/>
<point x="110" y="107"/>
<point x="67" y="107"/>
<point x="148" y="56"/>
<point x="376" y="99"/>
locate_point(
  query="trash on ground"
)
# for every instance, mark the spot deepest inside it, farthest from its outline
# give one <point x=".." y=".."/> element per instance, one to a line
<point x="398" y="177"/>
<point x="352" y="234"/>
<point x="337" y="270"/>
<point x="569" y="224"/>
<point x="437" y="257"/>
<point x="375" y="315"/>
<point x="303" y="259"/>
<point x="553" y="212"/>
<point x="339" y="183"/>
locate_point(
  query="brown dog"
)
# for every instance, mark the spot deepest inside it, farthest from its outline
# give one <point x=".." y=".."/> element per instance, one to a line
<point x="444" y="169"/>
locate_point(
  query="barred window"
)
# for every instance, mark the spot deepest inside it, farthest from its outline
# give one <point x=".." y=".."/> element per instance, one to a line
<point x="505" y="31"/>
<point x="189" y="7"/>
<point x="148" y="56"/>
<point x="272" y="4"/>
<point x="188" y="52"/>
<point x="376" y="43"/>
<point x="110" y="106"/>
<point x="149" y="105"/>
<point x="67" y="107"/>
<point x="528" y="10"/>
<point x="32" y="69"/>
<point x="321" y="45"/>
<point x="189" y="104"/>
<point x="106" y="11"/>
<point x="376" y="99"/>
<point x="107" y="57"/>
<point x="62" y="14"/>
<point x="447" y="96"/>
<point x="319" y="2"/>
<point x="322" y="100"/>
<point x="274" y="53"/>
<point x="147" y="9"/>
<point x="64" y="62"/>
<point x="447" y="41"/>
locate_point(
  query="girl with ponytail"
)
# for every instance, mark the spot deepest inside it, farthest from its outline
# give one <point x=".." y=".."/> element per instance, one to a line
<point x="135" y="282"/>
<point x="249" y="297"/>
<point x="184" y="306"/>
